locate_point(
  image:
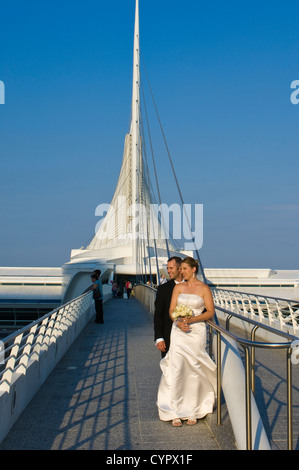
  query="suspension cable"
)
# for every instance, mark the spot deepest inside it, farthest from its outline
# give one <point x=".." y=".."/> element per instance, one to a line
<point x="173" y="170"/>
<point x="151" y="214"/>
<point x="154" y="165"/>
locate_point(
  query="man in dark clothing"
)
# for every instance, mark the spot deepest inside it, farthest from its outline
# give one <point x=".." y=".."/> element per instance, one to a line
<point x="98" y="298"/>
<point x="162" y="320"/>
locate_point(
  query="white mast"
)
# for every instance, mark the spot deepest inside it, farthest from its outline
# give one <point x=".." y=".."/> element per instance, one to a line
<point x="135" y="129"/>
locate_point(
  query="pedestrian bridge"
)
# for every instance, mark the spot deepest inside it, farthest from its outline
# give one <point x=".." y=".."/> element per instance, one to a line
<point x="68" y="383"/>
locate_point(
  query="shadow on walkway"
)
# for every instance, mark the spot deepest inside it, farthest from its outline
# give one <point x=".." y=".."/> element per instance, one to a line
<point x="102" y="395"/>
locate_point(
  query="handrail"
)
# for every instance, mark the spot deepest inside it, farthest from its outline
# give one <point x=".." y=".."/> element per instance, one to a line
<point x="254" y="294"/>
<point x="268" y="309"/>
<point x="256" y="323"/>
<point x="248" y="346"/>
<point x="41" y="319"/>
<point x="28" y="341"/>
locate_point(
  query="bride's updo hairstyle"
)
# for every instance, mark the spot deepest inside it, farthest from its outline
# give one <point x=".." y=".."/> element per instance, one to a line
<point x="193" y="263"/>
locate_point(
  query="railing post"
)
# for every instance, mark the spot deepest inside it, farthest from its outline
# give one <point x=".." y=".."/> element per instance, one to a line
<point x="210" y="341"/>
<point x="248" y="399"/>
<point x="289" y="399"/>
<point x="253" y="359"/>
<point x="227" y="322"/>
<point x="218" y="378"/>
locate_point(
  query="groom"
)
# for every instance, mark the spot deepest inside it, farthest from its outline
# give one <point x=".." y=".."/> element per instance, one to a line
<point x="162" y="320"/>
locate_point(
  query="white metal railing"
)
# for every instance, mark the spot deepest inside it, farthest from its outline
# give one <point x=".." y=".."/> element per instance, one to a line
<point x="278" y="313"/>
<point x="26" y="345"/>
<point x="31" y="353"/>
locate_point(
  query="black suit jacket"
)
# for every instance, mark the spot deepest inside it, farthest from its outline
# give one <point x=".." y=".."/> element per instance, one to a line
<point x="162" y="320"/>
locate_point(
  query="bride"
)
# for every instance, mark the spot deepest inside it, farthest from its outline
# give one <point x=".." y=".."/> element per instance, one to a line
<point x="187" y="389"/>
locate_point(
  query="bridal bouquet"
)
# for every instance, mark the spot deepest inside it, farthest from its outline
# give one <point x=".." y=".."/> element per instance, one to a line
<point x="182" y="311"/>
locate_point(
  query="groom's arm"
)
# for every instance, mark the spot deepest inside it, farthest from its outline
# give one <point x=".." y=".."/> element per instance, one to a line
<point x="161" y="309"/>
<point x="158" y="315"/>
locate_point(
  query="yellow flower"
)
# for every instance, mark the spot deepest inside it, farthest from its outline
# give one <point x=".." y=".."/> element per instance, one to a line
<point x="182" y="311"/>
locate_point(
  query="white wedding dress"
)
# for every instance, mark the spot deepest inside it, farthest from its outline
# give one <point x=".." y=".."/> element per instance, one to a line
<point x="188" y="384"/>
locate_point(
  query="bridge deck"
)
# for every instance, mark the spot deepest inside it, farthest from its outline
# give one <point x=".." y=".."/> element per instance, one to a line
<point x="102" y="395"/>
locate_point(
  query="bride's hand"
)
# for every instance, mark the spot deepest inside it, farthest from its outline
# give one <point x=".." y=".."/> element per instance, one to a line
<point x="183" y="324"/>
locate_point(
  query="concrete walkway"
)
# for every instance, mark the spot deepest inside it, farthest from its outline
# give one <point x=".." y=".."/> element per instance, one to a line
<point x="102" y="395"/>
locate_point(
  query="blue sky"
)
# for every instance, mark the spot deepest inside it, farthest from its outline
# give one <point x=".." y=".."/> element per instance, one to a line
<point x="221" y="74"/>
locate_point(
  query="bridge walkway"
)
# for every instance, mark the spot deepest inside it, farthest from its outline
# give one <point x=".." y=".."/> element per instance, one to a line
<point x="102" y="395"/>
